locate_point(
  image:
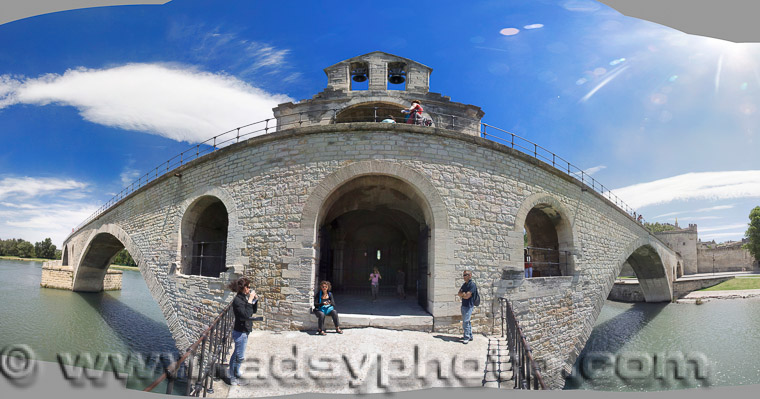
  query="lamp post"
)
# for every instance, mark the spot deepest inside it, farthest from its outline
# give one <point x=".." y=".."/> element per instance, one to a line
<point x="713" y="263"/>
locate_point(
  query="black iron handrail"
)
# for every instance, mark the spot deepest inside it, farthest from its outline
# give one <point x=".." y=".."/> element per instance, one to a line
<point x="207" y="352"/>
<point x="524" y="370"/>
<point x="439" y="120"/>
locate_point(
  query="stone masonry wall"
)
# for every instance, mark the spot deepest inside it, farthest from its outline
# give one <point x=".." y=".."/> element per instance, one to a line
<point x="724" y="259"/>
<point x="62" y="278"/>
<point x="683" y="241"/>
<point x="112" y="280"/>
<point x="482" y="187"/>
<point x="58" y="277"/>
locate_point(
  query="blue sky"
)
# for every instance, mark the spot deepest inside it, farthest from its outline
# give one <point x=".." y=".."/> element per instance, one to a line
<point x="91" y="99"/>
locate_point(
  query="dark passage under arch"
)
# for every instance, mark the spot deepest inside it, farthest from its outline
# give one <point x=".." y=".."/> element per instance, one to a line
<point x="204" y="237"/>
<point x="374" y="221"/>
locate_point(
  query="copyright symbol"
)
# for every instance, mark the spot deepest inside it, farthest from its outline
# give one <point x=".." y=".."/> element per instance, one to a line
<point x="16" y="362"/>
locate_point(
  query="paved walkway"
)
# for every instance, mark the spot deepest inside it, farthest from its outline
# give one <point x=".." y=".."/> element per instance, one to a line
<point x="361" y="360"/>
<point x="720" y="274"/>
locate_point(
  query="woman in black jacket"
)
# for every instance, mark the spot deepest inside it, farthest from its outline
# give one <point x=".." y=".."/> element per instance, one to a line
<point x="324" y="304"/>
<point x="244" y="305"/>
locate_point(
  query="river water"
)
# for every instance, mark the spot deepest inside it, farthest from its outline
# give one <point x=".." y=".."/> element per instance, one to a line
<point x="723" y="334"/>
<point x="53" y="322"/>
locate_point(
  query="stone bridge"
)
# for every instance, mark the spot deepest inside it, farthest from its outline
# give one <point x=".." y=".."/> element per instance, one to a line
<point x="320" y="199"/>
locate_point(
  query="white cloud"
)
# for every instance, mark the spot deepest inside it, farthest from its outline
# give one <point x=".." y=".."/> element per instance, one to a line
<point x="736" y="235"/>
<point x="129" y="174"/>
<point x="266" y="55"/>
<point x="710" y="209"/>
<point x="509" y="31"/>
<point x="38" y="208"/>
<point x="581" y="5"/>
<point x="726" y="227"/>
<point x="27" y="187"/>
<point x="180" y="104"/>
<point x="533" y="26"/>
<point x="705" y="185"/>
<point x="694" y="219"/>
<point x="592" y="170"/>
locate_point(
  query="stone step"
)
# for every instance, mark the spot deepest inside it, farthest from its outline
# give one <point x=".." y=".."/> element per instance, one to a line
<point x="404" y="322"/>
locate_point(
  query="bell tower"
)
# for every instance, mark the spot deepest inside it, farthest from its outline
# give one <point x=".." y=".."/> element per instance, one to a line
<point x="379" y="69"/>
<point x="373" y="87"/>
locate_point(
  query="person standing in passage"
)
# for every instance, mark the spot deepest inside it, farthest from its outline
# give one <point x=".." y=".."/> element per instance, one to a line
<point x="374" y="279"/>
<point x="466" y="292"/>
<point x="400" y="281"/>
<point x="528" y="265"/>
<point x="244" y="305"/>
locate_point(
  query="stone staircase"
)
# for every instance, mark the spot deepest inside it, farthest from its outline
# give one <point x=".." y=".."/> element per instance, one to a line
<point x="498" y="370"/>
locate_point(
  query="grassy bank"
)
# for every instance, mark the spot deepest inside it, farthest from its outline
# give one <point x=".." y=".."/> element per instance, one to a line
<point x="120" y="267"/>
<point x="25" y="259"/>
<point x="745" y="283"/>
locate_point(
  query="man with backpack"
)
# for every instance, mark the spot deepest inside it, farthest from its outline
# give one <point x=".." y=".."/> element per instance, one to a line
<point x="470" y="299"/>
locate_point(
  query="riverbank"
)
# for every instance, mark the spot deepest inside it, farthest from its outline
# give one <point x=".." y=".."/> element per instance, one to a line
<point x="25" y="259"/>
<point x="120" y="267"/>
<point x="706" y="296"/>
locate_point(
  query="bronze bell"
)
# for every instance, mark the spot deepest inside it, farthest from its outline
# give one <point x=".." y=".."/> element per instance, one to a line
<point x="360" y="78"/>
<point x="396" y="78"/>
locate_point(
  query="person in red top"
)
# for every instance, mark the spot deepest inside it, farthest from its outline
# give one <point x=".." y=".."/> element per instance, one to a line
<point x="528" y="266"/>
<point x="415" y="113"/>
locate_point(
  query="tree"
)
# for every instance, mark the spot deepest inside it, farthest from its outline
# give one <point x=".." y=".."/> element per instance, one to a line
<point x="45" y="249"/>
<point x="16" y="247"/>
<point x="24" y="249"/>
<point x="123" y="258"/>
<point x="753" y="233"/>
<point x="659" y="228"/>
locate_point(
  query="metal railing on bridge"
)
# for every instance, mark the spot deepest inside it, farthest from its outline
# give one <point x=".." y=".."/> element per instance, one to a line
<point x="207" y="355"/>
<point x="549" y="262"/>
<point x="525" y="373"/>
<point x="438" y="121"/>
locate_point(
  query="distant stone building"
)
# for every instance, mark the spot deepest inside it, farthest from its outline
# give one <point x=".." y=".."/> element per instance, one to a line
<point x="724" y="257"/>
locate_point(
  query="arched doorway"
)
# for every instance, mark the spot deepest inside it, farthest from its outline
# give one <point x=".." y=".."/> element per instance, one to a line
<point x="371" y="112"/>
<point x="374" y="221"/>
<point x="548" y="239"/>
<point x="65" y="256"/>
<point x="204" y="237"/>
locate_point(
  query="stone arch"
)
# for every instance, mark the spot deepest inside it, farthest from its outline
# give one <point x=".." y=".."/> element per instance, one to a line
<point x="209" y="205"/>
<point x="550" y="227"/>
<point x="648" y="265"/>
<point x="414" y="185"/>
<point x="65" y="256"/>
<point x="101" y="246"/>
<point x="361" y="110"/>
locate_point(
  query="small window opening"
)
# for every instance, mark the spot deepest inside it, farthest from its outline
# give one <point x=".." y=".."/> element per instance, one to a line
<point x="359" y="76"/>
<point x="396" y="76"/>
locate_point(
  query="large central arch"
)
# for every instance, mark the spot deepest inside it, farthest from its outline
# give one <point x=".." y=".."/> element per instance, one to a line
<point x="396" y="204"/>
<point x="374" y="221"/>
